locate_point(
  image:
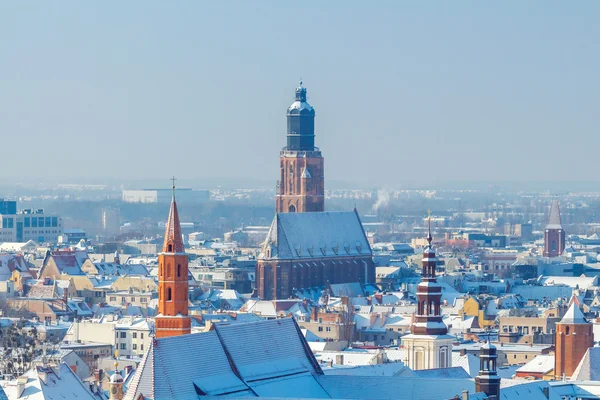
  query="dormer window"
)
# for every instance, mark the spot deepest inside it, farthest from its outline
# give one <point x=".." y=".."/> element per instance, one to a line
<point x="170" y="247"/>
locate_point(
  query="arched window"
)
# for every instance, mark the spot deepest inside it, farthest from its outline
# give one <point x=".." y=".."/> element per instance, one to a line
<point x="178" y="271"/>
<point x="170" y="248"/>
<point x="292" y="208"/>
<point x="554" y="245"/>
<point x="169" y="298"/>
<point x="568" y="330"/>
<point x="443" y="358"/>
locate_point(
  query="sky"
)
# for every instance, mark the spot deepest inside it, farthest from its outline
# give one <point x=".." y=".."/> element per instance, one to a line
<point x="405" y="92"/>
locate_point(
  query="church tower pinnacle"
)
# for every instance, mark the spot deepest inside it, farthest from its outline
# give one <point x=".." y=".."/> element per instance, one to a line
<point x="554" y="235"/>
<point x="428" y="345"/>
<point x="172" y="318"/>
<point x="301" y="185"/>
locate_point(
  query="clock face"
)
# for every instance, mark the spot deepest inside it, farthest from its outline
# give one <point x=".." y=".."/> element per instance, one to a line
<point x="113" y="390"/>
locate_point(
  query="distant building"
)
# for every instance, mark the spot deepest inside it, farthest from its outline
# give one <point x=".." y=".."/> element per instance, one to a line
<point x="484" y="240"/>
<point x="301" y="184"/>
<point x="554" y="235"/>
<point x="28" y="224"/>
<point x="164" y="195"/>
<point x="111" y="221"/>
<point x="310" y="250"/>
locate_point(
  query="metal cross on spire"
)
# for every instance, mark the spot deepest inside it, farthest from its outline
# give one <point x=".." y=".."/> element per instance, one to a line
<point x="429" y="238"/>
<point x="173" y="179"/>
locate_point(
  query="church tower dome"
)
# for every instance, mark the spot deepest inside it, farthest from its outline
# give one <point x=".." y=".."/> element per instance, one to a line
<point x="301" y="123"/>
<point x="488" y="381"/>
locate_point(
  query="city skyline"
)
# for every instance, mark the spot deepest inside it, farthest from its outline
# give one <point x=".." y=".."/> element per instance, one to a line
<point x="488" y="104"/>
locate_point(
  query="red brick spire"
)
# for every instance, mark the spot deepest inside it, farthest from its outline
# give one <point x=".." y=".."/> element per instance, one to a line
<point x="173" y="241"/>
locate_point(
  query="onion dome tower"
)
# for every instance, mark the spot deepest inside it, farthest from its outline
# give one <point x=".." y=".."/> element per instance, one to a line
<point x="428" y="345"/>
<point x="574" y="336"/>
<point x="116" y="382"/>
<point x="172" y="318"/>
<point x="488" y="381"/>
<point x="301" y="185"/>
<point x="554" y="235"/>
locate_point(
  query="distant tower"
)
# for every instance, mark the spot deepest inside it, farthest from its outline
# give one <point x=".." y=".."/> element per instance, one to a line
<point x="574" y="335"/>
<point x="172" y="318"/>
<point x="428" y="345"/>
<point x="117" y="258"/>
<point x="488" y="381"/>
<point x="554" y="235"/>
<point x="301" y="186"/>
<point x="116" y="382"/>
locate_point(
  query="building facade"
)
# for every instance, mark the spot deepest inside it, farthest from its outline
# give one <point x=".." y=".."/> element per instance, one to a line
<point x="164" y="195"/>
<point x="29" y="224"/>
<point x="301" y="186"/>
<point x="172" y="318"/>
<point x="574" y="336"/>
<point x="554" y="235"/>
<point x="309" y="250"/>
<point x="428" y="345"/>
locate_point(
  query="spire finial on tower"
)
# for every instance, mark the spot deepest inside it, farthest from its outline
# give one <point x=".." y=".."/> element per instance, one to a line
<point x="116" y="360"/>
<point x="429" y="238"/>
<point x="173" y="179"/>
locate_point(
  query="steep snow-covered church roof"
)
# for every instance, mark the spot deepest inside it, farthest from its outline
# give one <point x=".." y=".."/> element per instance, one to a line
<point x="315" y="235"/>
<point x="573" y="316"/>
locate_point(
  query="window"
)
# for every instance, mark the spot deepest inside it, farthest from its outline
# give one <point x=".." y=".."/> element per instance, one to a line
<point x="170" y="248"/>
<point x="169" y="294"/>
<point x="48" y="222"/>
<point x="320" y="329"/>
<point x="113" y="298"/>
<point x="41" y="222"/>
<point x="143" y="300"/>
<point x="123" y="346"/>
<point x="514" y="356"/>
<point x="142" y="346"/>
<point x="34" y="223"/>
<point x="328" y="329"/>
<point x="27" y="222"/>
<point x="134" y="335"/>
<point x="141" y="337"/>
<point x="54" y="222"/>
<point x="132" y="299"/>
<point x="134" y="346"/>
<point x="123" y="299"/>
<point x="178" y="271"/>
<point x="123" y="335"/>
<point x="568" y="330"/>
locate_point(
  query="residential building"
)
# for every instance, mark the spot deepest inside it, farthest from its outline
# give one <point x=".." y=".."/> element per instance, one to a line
<point x="554" y="235"/>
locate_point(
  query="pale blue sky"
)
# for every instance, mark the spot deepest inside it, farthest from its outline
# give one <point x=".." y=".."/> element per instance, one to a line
<point x="405" y="92"/>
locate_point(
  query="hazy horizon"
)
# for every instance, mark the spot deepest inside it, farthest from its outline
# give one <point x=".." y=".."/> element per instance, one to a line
<point x="407" y="94"/>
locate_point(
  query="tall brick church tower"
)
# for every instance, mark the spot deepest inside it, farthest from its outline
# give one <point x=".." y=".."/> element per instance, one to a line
<point x="301" y="185"/>
<point x="172" y="318"/>
<point x="554" y="235"/>
<point x="574" y="335"/>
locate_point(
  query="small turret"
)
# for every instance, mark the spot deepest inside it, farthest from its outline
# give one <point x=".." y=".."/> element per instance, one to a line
<point x="116" y="381"/>
<point x="488" y="380"/>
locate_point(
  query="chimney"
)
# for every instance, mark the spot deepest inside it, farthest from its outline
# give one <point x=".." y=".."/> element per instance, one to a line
<point x="314" y="315"/>
<point x="21" y="382"/>
<point x="465" y="395"/>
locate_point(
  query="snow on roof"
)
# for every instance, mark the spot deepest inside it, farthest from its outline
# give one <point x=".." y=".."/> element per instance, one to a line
<point x="315" y="235"/>
<point x="387" y="369"/>
<point x="469" y="362"/>
<point x="581" y="282"/>
<point x="573" y="316"/>
<point x="443" y="373"/>
<point x="397" y="387"/>
<point x="554" y="217"/>
<point x="266" y="351"/>
<point x="589" y="366"/>
<point x="529" y="391"/>
<point x="46" y="383"/>
<point x="541" y="364"/>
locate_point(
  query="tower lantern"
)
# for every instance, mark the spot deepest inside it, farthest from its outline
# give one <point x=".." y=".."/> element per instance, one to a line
<point x="488" y="380"/>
